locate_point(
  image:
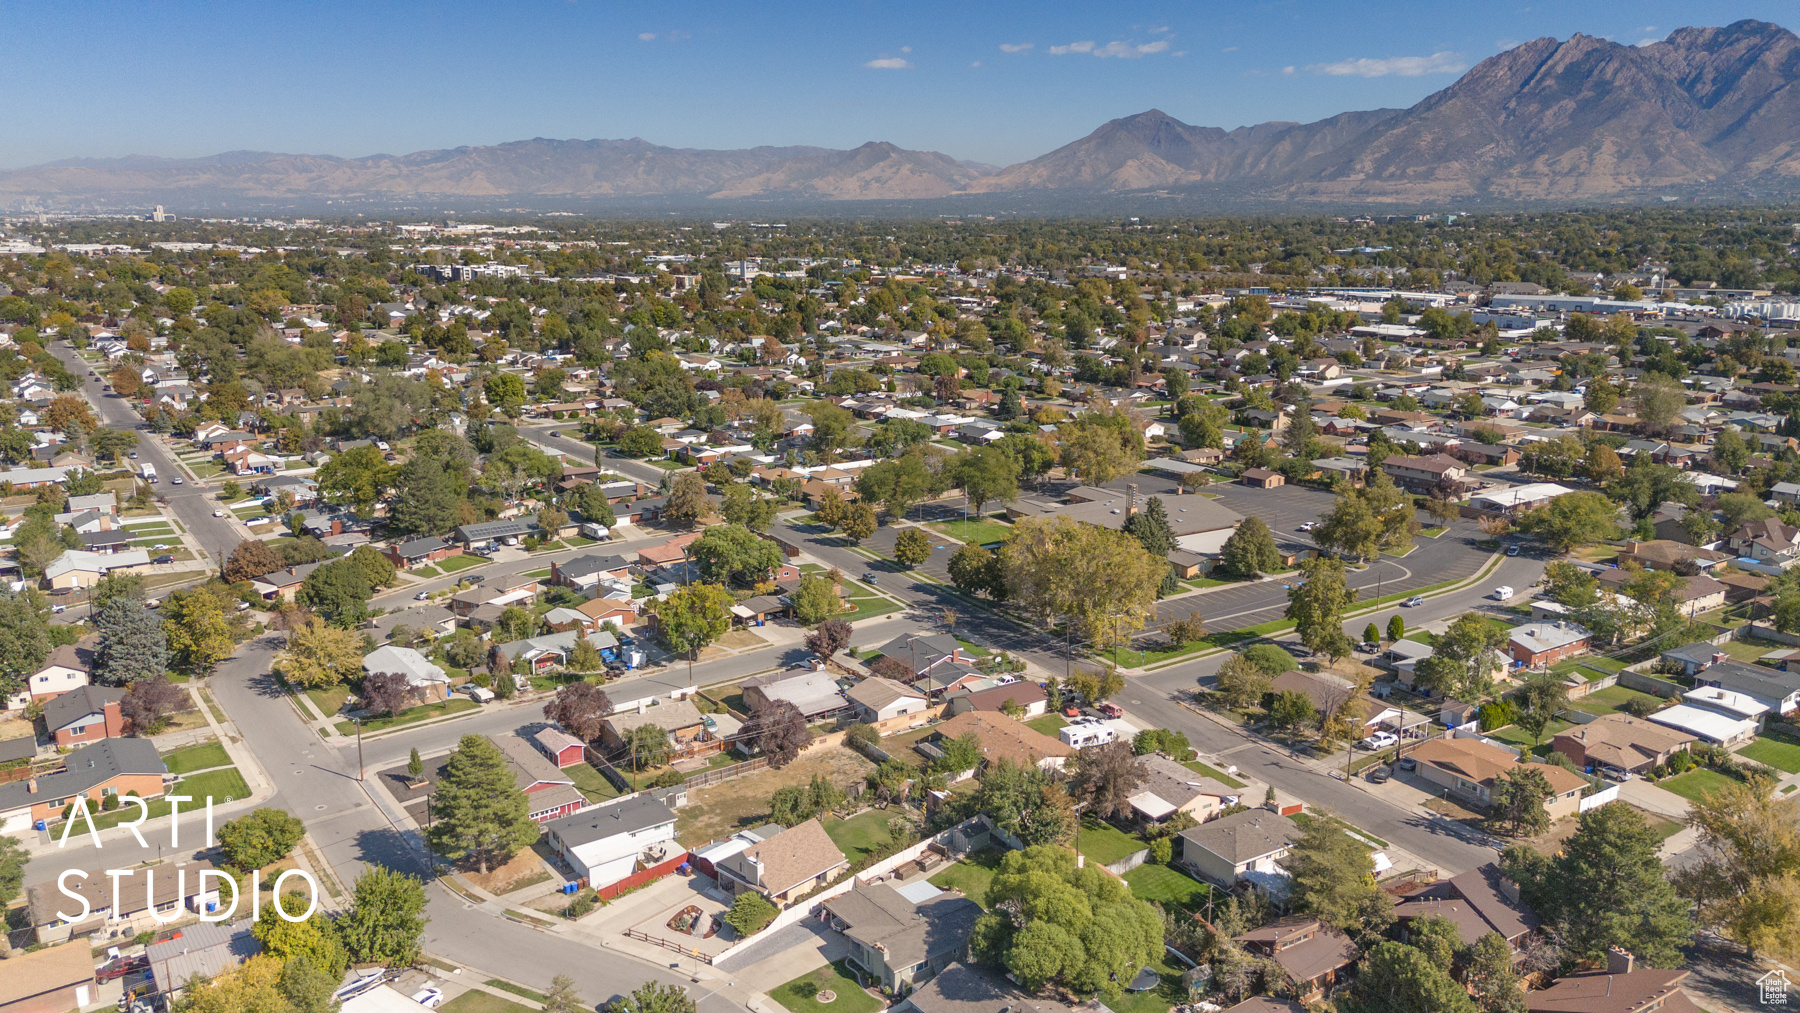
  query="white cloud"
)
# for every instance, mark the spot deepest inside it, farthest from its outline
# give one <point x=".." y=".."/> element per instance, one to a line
<point x="1648" y="28"/>
<point x="906" y="49"/>
<point x="1505" y="43"/>
<point x="646" y="36"/>
<point x="1647" y="42"/>
<point x="889" y="63"/>
<point x="1158" y="29"/>
<point x="1396" y="66"/>
<point x="1014" y="47"/>
<point x="977" y="63"/>
<point x="1121" y="50"/>
<point x="1229" y="49"/>
<point x="1287" y="70"/>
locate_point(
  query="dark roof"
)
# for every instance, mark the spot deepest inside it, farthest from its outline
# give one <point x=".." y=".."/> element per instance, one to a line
<point x="1244" y="835"/>
<point x="601" y="822"/>
<point x="64" y="709"/>
<point x="420" y="547"/>
<point x="84" y="769"/>
<point x="1327" y="949"/>
<point x="961" y="988"/>
<point x="583" y="565"/>
<point x="495" y="529"/>
<point x="879" y="918"/>
<point x="926" y="649"/>
<point x="22" y="748"/>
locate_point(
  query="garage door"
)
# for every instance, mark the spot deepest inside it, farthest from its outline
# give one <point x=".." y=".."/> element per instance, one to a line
<point x="16" y="824"/>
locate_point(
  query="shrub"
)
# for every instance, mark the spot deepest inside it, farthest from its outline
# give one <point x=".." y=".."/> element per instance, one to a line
<point x="1681" y="762"/>
<point x="669" y="779"/>
<point x="861" y="735"/>
<point x="1162" y="850"/>
<point x="582" y="903"/>
<point x="750" y="913"/>
<point x="1497" y="714"/>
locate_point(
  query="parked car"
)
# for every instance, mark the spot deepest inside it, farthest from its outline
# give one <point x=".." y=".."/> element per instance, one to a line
<point x="1613" y="773"/>
<point x="429" y="997"/>
<point x="119" y="967"/>
<point x="134" y="455"/>
<point x="555" y="433"/>
<point x="175" y="481"/>
<point x="476" y="579"/>
<point x="1503" y="592"/>
<point x="1513" y="549"/>
<point x="1415" y="600"/>
<point x="1111" y="710"/>
<point x="479" y="694"/>
<point x="1369" y="647"/>
<point x="422" y="596"/>
<point x="165" y="558"/>
<point x="1071" y="711"/>
<point x="871" y="578"/>
<point x="1408" y="763"/>
<point x="1380" y="740"/>
<point x="1308" y="526"/>
<point x="1379" y="773"/>
<point x="218" y="513"/>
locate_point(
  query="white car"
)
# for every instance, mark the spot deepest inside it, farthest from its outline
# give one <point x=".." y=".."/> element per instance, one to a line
<point x="1415" y="600"/>
<point x="1308" y="526"/>
<point x="429" y="997"/>
<point x="1503" y="592"/>
<point x="218" y="513"/>
<point x="1379" y="741"/>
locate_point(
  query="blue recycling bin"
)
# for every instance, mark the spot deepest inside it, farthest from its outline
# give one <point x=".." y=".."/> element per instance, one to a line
<point x="41" y="826"/>
<point x="571" y="887"/>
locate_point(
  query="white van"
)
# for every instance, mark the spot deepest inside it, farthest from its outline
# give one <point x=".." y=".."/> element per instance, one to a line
<point x="1503" y="592"/>
<point x="1080" y="736"/>
<point x="479" y="694"/>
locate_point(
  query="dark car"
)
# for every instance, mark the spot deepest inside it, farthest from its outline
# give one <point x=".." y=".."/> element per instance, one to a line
<point x="1379" y="774"/>
<point x="477" y="578"/>
<point x="1408" y="763"/>
<point x="871" y="578"/>
<point x="121" y="967"/>
<point x="163" y="559"/>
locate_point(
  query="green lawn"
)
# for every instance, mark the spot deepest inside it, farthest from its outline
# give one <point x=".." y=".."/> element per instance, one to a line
<point x="455" y="563"/>
<point x="1513" y="735"/>
<point x="1610" y="699"/>
<point x="972" y="875"/>
<point x="799" y="995"/>
<point x="420" y="713"/>
<point x="859" y="836"/>
<point x="426" y="571"/>
<point x="974" y="532"/>
<point x="1213" y="772"/>
<point x="477" y="1001"/>
<point x="545" y="572"/>
<point x="1748" y="651"/>
<point x="1048" y="724"/>
<point x="219" y="784"/>
<point x="869" y="608"/>
<point x="1157" y="1000"/>
<point x="1105" y="843"/>
<point x="1167" y="886"/>
<point x="1432" y="532"/>
<point x="199" y="757"/>
<point x="592" y="784"/>
<point x="1775" y="749"/>
<point x="329" y="699"/>
<point x="1695" y="784"/>
<point x="974" y="649"/>
<point x="1202" y="583"/>
<point x="519" y="990"/>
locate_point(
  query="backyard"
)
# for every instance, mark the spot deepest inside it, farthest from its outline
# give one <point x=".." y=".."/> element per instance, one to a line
<point x="1610" y="699"/>
<point x="1167" y="886"/>
<point x="972" y="875"/>
<point x="723" y="809"/>
<point x="1155" y="1000"/>
<point x="1105" y="843"/>
<point x="859" y="836"/>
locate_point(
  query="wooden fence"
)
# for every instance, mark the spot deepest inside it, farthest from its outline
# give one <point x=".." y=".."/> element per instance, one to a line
<point x="704" y="778"/>
<point x="637" y="879"/>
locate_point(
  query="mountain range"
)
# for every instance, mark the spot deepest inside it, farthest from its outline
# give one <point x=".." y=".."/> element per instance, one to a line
<point x="1707" y="112"/>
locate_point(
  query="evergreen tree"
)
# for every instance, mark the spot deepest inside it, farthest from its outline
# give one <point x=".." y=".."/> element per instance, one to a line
<point x="1397" y="978"/>
<point x="1249" y="551"/>
<point x="480" y="812"/>
<point x="133" y="644"/>
<point x="1150" y="526"/>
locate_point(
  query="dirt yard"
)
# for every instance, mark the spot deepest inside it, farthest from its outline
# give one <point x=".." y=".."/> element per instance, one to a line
<point x="525" y="869"/>
<point x="730" y="806"/>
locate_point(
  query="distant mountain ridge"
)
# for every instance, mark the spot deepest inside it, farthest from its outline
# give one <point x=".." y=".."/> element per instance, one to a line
<point x="1704" y="110"/>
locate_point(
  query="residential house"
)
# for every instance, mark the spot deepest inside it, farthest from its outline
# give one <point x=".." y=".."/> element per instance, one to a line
<point x="584" y="573"/>
<point x="1470" y="768"/>
<point x="1777" y="689"/>
<point x="283" y="584"/>
<point x="1423" y="474"/>
<point x="109" y="767"/>
<point x="120" y="909"/>
<point x="1770" y="542"/>
<point x="963" y="988"/>
<point x="1170" y="787"/>
<point x="888" y="705"/>
<point x="1313" y="954"/>
<point x="1719" y="721"/>
<point x="680" y="720"/>
<point x="1027" y="695"/>
<point x="50" y="980"/>
<point x="606" y="843"/>
<point x="785" y="866"/>
<point x="1245" y="845"/>
<point x="1262" y="478"/>
<point x="1698" y="593"/>
<point x="78" y="568"/>
<point x="1000" y="738"/>
<point x="200" y="950"/>
<point x="1542" y="644"/>
<point x="429" y="682"/>
<point x="68" y="667"/>
<point x="1476" y="902"/>
<point x="549" y="793"/>
<point x="902" y="939"/>
<point x="1662" y="554"/>
<point x="815" y="693"/>
<point x="1621" y="988"/>
<point x="542" y="653"/>
<point x="421" y="552"/>
<point x="1622" y="741"/>
<point x="86" y="714"/>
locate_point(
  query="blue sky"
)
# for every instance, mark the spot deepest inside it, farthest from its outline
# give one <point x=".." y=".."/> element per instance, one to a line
<point x="994" y="82"/>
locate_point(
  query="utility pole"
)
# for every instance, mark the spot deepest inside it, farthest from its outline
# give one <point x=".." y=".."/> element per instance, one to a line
<point x="361" y="770"/>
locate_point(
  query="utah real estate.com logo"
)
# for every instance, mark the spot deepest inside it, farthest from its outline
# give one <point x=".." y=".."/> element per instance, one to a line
<point x="1772" y="988"/>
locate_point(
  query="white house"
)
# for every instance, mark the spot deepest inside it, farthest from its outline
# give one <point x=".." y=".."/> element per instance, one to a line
<point x="424" y="677"/>
<point x="603" y="844"/>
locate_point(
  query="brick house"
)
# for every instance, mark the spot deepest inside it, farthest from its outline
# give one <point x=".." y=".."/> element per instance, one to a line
<point x="108" y="767"/>
<point x="84" y="715"/>
<point x="1538" y="645"/>
<point x="1469" y="768"/>
<point x="1422" y="474"/>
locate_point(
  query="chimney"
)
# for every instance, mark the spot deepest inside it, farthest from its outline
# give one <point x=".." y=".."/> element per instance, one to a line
<point x="31" y="786"/>
<point x="1718" y="657"/>
<point x="1618" y="961"/>
<point x="1509" y="889"/>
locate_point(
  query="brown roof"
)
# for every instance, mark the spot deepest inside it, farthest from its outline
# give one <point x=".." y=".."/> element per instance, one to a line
<point x="1304" y="946"/>
<point x="78" y="655"/>
<point x="1437" y="463"/>
<point x="1622" y="740"/>
<point x="1482" y="763"/>
<point x="1663" y="550"/>
<point x="1002" y="738"/>
<point x="793" y="856"/>
<point x="1605" y="992"/>
<point x="43" y="971"/>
